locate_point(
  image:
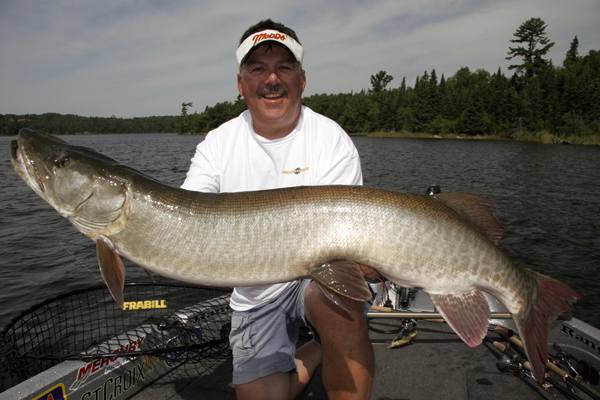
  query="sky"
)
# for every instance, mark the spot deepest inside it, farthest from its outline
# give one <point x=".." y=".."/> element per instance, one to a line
<point x="134" y="58"/>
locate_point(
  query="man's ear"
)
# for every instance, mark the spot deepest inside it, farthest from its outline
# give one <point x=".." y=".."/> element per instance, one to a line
<point x="239" y="84"/>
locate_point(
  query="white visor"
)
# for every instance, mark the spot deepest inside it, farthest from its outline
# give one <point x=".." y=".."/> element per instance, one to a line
<point x="266" y="35"/>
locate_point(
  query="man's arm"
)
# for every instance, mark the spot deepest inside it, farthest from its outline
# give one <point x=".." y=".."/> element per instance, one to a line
<point x="203" y="175"/>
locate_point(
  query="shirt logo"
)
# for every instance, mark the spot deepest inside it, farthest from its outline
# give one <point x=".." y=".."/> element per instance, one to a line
<point x="296" y="171"/>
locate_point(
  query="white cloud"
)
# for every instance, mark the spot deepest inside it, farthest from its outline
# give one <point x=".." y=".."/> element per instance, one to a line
<point x="140" y="58"/>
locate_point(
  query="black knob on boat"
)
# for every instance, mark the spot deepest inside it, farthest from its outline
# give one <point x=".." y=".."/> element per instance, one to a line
<point x="433" y="189"/>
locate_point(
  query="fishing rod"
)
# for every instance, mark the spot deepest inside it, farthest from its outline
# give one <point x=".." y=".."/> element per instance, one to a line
<point x="381" y="312"/>
<point x="507" y="363"/>
<point x="436" y="317"/>
<point x="507" y="334"/>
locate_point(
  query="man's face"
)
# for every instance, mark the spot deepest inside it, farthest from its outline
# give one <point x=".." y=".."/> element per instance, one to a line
<point x="272" y="83"/>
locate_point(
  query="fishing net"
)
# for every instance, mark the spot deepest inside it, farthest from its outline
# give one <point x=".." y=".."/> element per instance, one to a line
<point x="177" y="323"/>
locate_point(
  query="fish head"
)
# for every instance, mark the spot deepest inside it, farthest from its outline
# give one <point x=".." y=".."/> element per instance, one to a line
<point x="81" y="184"/>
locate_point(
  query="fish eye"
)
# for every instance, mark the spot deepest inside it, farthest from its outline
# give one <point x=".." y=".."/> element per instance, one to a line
<point x="63" y="161"/>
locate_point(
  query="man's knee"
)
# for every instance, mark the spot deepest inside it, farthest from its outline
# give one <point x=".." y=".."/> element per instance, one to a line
<point x="326" y="316"/>
<point x="274" y="386"/>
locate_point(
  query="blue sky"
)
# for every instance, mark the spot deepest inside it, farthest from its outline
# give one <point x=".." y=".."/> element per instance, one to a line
<point x="140" y="58"/>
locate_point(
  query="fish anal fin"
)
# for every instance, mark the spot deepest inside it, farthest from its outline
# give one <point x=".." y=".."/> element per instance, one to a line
<point x="475" y="209"/>
<point x="344" y="278"/>
<point x="467" y="313"/>
<point x="553" y="299"/>
<point x="111" y="268"/>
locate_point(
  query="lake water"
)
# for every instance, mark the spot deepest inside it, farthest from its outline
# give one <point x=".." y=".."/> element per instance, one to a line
<point x="547" y="197"/>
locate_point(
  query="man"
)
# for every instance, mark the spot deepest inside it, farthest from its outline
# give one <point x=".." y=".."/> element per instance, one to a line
<point x="279" y="143"/>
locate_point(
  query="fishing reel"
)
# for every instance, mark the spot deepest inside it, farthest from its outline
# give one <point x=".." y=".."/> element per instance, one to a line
<point x="404" y="296"/>
<point x="507" y="364"/>
<point x="510" y="361"/>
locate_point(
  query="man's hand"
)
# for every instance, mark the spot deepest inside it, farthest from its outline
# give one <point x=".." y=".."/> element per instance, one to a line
<point x="369" y="272"/>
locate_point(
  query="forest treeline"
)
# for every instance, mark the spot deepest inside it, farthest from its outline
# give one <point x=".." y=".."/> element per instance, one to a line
<point x="69" y="124"/>
<point x="560" y="101"/>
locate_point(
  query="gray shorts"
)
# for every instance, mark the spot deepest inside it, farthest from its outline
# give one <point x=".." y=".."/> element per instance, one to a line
<point x="263" y="339"/>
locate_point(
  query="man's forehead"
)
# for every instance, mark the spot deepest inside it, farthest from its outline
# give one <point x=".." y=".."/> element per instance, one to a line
<point x="268" y="49"/>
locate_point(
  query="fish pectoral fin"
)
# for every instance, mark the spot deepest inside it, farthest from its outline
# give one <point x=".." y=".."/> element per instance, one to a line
<point x="343" y="277"/>
<point x="335" y="298"/>
<point x="111" y="268"/>
<point x="467" y="313"/>
<point x="475" y="209"/>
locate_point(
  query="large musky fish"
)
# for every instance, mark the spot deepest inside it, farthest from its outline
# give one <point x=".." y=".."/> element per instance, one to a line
<point x="443" y="244"/>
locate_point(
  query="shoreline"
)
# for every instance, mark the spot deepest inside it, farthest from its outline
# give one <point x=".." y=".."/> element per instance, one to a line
<point x="538" y="137"/>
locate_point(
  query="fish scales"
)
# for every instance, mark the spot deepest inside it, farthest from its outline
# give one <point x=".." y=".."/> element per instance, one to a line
<point x="265" y="238"/>
<point x="370" y="226"/>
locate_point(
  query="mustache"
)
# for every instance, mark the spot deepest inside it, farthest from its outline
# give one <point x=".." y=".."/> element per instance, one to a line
<point x="277" y="88"/>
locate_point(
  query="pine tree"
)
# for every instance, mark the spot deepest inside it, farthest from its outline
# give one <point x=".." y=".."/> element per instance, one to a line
<point x="472" y="119"/>
<point x="380" y="81"/>
<point x="183" y="125"/>
<point x="532" y="32"/>
<point x="444" y="100"/>
<point x="355" y="117"/>
<point x="422" y="106"/>
<point x="573" y="53"/>
<point x="433" y="96"/>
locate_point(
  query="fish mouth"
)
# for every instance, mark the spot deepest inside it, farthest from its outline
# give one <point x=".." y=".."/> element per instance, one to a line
<point x="25" y="167"/>
<point x="14" y="156"/>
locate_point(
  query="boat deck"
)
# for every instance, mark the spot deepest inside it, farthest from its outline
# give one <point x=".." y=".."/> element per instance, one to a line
<point x="438" y="365"/>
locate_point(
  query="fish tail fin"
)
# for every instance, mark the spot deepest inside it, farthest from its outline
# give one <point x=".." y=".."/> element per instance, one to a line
<point x="553" y="298"/>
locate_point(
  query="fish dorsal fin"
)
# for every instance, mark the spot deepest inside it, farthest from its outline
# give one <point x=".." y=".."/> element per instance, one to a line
<point x="111" y="268"/>
<point x="467" y="313"/>
<point x="342" y="277"/>
<point x="475" y="209"/>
